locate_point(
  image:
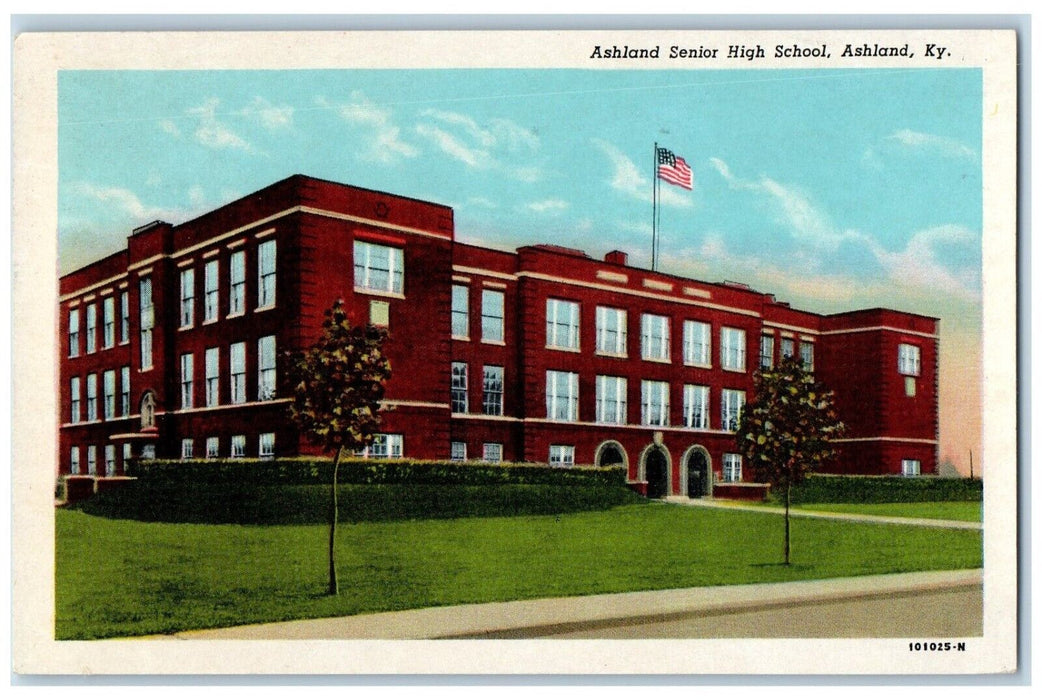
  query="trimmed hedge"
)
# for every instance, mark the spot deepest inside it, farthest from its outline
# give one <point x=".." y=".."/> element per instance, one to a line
<point x="391" y="471"/>
<point x="820" y="488"/>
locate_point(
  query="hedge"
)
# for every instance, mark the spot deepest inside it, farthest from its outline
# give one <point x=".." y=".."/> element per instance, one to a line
<point x="820" y="488"/>
<point x="310" y="470"/>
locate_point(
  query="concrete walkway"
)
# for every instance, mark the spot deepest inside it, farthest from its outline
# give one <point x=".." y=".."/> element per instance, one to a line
<point x="852" y="517"/>
<point x="545" y="615"/>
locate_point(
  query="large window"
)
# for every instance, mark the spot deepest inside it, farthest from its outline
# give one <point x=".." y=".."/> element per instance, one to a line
<point x="213" y="376"/>
<point x="654" y="337"/>
<point x="562" y="455"/>
<point x="124" y="391"/>
<point x="147" y="319"/>
<point x="731" y="403"/>
<point x="266" y="446"/>
<point x="187" y="448"/>
<point x="732" y="467"/>
<point x="459" y="400"/>
<point x="492" y="315"/>
<point x="213" y="447"/>
<point x="492" y="452"/>
<point x="611" y="400"/>
<point x="108" y="322"/>
<point x="211" y="291"/>
<point x="108" y="388"/>
<point x="654" y="403"/>
<point x="92" y="459"/>
<point x="187" y="298"/>
<point x="458" y="451"/>
<point x="788" y="347"/>
<point x="766" y="351"/>
<point x="266" y="275"/>
<point x="562" y="324"/>
<point x="384" y="446"/>
<point x="910" y="467"/>
<point x="92" y="328"/>
<point x="124" y="318"/>
<point x="732" y="349"/>
<point x="74" y="460"/>
<point x="74" y="332"/>
<point x="696" y="406"/>
<point x="110" y="460"/>
<point x="378" y="268"/>
<point x="187" y="367"/>
<point x="237" y="283"/>
<point x="92" y="397"/>
<point x="908" y="359"/>
<point x="697" y="350"/>
<point x="611" y="331"/>
<point x="807" y="355"/>
<point x="266" y="368"/>
<point x="74" y="400"/>
<point x="460" y="311"/>
<point x="562" y="395"/>
<point x="238" y="446"/>
<point x="238" y="373"/>
<point x="492" y="390"/>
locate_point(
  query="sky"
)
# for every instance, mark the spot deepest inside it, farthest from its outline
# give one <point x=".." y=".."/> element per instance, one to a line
<point x="832" y="189"/>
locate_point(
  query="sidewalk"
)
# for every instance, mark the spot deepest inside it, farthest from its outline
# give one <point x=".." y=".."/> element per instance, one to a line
<point x="550" y="613"/>
<point x="853" y="517"/>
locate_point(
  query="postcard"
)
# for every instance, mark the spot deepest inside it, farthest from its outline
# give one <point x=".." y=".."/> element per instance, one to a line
<point x="498" y="352"/>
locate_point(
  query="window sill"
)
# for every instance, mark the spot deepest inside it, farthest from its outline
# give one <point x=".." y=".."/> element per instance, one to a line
<point x="269" y="307"/>
<point x="658" y="360"/>
<point x="736" y="370"/>
<point x="186" y="328"/>
<point x="237" y="314"/>
<point x="501" y="343"/>
<point x="698" y="365"/>
<point x="210" y="321"/>
<point x="616" y="355"/>
<point x="464" y="338"/>
<point x="563" y="349"/>
<point x="379" y="293"/>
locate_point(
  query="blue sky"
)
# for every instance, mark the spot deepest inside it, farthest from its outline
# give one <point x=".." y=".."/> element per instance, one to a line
<point x="833" y="189"/>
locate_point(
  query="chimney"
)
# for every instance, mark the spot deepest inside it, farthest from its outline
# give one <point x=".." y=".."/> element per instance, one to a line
<point x="616" y="257"/>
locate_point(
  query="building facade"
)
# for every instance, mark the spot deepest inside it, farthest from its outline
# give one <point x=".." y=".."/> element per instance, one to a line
<point x="169" y="348"/>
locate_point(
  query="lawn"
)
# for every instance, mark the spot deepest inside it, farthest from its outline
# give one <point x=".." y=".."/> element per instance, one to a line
<point x="938" y="510"/>
<point x="125" y="578"/>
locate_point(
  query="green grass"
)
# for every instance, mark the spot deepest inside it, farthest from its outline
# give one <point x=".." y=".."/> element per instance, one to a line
<point x="941" y="510"/>
<point x="125" y="578"/>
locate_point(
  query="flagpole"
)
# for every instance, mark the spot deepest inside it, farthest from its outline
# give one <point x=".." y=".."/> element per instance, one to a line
<point x="654" y="208"/>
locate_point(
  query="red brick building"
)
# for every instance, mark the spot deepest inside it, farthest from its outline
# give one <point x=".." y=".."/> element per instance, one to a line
<point x="169" y="347"/>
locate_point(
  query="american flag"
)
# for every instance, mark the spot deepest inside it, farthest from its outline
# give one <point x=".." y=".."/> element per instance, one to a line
<point x="674" y="169"/>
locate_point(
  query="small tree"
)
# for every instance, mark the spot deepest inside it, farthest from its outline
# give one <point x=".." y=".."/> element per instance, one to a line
<point x="786" y="430"/>
<point x="338" y="384"/>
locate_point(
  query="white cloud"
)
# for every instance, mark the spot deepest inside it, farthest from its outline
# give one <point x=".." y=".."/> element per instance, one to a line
<point x="548" y="206"/>
<point x="129" y="203"/>
<point x="482" y="202"/>
<point x="941" y="144"/>
<point x="448" y="143"/>
<point x="272" y="117"/>
<point x="496" y="147"/>
<point x="627" y="178"/>
<point x="211" y="132"/>
<point x="169" y="127"/>
<point x="387" y="143"/>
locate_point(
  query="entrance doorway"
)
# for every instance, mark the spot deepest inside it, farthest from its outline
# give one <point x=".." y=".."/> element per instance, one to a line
<point x="656" y="472"/>
<point x="697" y="473"/>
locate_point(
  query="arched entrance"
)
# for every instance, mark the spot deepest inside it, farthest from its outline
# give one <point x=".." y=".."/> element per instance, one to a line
<point x="697" y="472"/>
<point x="610" y="453"/>
<point x="656" y="473"/>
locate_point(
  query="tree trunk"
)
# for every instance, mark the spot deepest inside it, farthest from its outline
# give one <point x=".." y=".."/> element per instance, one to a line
<point x="334" y="515"/>
<point x="788" y="491"/>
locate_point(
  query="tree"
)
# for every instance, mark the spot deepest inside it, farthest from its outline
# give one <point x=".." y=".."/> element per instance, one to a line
<point x="786" y="430"/>
<point x="338" y="384"/>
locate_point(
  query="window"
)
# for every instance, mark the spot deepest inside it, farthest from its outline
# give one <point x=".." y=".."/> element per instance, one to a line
<point x="379" y="313"/>
<point x="124" y="318"/>
<point x="492" y="452"/>
<point x="788" y="347"/>
<point x="266" y="368"/>
<point x="910" y="467"/>
<point x="732" y="467"/>
<point x="458" y="451"/>
<point x="491" y="316"/>
<point x="807" y="355"/>
<point x="238" y="373"/>
<point x="213" y="376"/>
<point x="697" y="344"/>
<point x="266" y="275"/>
<point x="238" y="445"/>
<point x="213" y="447"/>
<point x="696" y="407"/>
<point x="124" y="391"/>
<point x="108" y="322"/>
<point x="611" y="400"/>
<point x="74" y="400"/>
<point x="654" y="337"/>
<point x="562" y="324"/>
<point x="266" y="446"/>
<point x="909" y="386"/>
<point x="378" y="268"/>
<point x="74" y="332"/>
<point x="92" y="328"/>
<point x="459" y="387"/>
<point x="907" y="359"/>
<point x="92" y="459"/>
<point x="654" y="403"/>
<point x="611" y="331"/>
<point x="461" y="311"/>
<point x="732" y="349"/>
<point x="237" y="283"/>
<point x="147" y="319"/>
<point x="74" y="460"/>
<point x="562" y="395"/>
<point x="187" y="366"/>
<point x="766" y="351"/>
<point x="211" y="291"/>
<point x="126" y="455"/>
<point x="92" y="397"/>
<point x="384" y="446"/>
<point x="187" y="298"/>
<point x="148" y="451"/>
<point x="108" y="387"/>
<point x="731" y="403"/>
<point x="186" y="448"/>
<point x="562" y="455"/>
<point x="492" y="391"/>
<point x="110" y="460"/>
